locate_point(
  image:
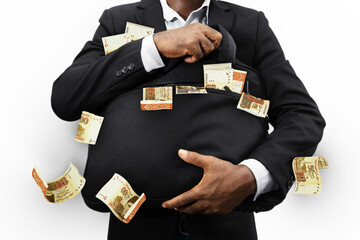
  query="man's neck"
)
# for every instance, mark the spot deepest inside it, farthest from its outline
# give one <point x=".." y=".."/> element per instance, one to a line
<point x="184" y="7"/>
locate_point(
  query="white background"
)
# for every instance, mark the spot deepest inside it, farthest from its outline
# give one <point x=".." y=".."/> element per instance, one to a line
<point x="39" y="39"/>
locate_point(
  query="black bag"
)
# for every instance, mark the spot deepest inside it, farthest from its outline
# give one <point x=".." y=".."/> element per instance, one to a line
<point x="142" y="146"/>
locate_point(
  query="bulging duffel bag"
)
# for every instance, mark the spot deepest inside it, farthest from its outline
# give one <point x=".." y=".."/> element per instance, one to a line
<point x="142" y="146"/>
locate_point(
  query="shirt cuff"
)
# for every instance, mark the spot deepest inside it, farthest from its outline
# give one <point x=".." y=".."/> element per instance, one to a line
<point x="150" y="56"/>
<point x="264" y="181"/>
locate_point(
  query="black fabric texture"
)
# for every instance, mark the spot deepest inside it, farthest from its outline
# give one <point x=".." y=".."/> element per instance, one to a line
<point x="142" y="145"/>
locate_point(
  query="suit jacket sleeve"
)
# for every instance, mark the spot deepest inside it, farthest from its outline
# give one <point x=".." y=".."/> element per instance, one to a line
<point x="298" y="124"/>
<point x="94" y="78"/>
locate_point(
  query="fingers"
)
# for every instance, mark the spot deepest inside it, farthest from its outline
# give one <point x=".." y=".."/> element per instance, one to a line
<point x="194" y="41"/>
<point x="187" y="198"/>
<point x="195" y="52"/>
<point x="195" y="158"/>
<point x="214" y="36"/>
<point x="208" y="39"/>
<point x="197" y="207"/>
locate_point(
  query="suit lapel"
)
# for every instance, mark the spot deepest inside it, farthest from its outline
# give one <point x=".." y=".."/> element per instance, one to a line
<point x="149" y="13"/>
<point x="219" y="14"/>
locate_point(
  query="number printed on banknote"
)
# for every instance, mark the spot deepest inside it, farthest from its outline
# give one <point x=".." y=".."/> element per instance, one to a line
<point x="63" y="188"/>
<point x="89" y="128"/>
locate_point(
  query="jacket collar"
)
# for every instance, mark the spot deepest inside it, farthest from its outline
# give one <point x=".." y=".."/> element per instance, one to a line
<point x="150" y="13"/>
<point x="219" y="14"/>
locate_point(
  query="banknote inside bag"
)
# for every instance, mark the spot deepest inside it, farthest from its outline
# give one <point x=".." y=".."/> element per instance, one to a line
<point x="142" y="146"/>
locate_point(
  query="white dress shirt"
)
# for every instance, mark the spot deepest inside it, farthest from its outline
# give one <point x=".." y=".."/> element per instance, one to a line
<point x="151" y="60"/>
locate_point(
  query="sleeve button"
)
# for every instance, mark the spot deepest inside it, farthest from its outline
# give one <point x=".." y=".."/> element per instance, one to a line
<point x="124" y="70"/>
<point x="131" y="66"/>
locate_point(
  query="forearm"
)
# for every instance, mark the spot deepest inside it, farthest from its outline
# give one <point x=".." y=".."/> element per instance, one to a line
<point x="94" y="78"/>
<point x="298" y="124"/>
<point x="90" y="81"/>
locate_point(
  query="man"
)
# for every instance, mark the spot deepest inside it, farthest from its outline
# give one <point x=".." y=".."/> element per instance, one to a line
<point x="220" y="206"/>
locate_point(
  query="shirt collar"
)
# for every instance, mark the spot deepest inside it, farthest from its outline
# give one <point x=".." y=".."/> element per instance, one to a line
<point x="171" y="15"/>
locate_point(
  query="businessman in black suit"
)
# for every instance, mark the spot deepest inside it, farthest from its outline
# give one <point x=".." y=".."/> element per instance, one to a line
<point x="94" y="80"/>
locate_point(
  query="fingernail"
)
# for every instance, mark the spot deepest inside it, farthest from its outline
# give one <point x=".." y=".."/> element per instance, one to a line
<point x="182" y="153"/>
<point x="163" y="205"/>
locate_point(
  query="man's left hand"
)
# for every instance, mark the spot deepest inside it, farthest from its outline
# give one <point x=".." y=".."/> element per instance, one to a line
<point x="222" y="187"/>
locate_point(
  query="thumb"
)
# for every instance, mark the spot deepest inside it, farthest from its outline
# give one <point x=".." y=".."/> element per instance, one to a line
<point x="194" y="158"/>
<point x="191" y="59"/>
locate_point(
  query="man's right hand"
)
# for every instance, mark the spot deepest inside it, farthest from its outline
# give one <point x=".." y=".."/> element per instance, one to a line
<point x="195" y="41"/>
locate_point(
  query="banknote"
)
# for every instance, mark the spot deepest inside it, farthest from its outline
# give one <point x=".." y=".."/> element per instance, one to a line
<point x="111" y="43"/>
<point x="253" y="105"/>
<point x="238" y="81"/>
<point x="218" y="78"/>
<point x="89" y="127"/>
<point x="132" y="32"/>
<point x="306" y="171"/>
<point x="190" y="90"/>
<point x="217" y="66"/>
<point x="157" y="98"/>
<point x="63" y="188"/>
<point x="119" y="196"/>
<point x="138" y="31"/>
<point x="222" y="75"/>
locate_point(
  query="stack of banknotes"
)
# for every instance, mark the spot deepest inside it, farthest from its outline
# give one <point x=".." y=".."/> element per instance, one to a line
<point x="219" y="76"/>
<point x="223" y="75"/>
<point x="307" y="175"/>
<point x="157" y="98"/>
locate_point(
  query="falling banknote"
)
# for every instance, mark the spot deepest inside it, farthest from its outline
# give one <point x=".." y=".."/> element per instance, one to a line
<point x="222" y="75"/>
<point x="62" y="189"/>
<point x="306" y="170"/>
<point x="89" y="127"/>
<point x="253" y="105"/>
<point x="118" y="195"/>
<point x="157" y="98"/>
<point x="132" y="32"/>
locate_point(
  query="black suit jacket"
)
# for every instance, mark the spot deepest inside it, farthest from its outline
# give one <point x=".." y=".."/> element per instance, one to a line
<point x="95" y="79"/>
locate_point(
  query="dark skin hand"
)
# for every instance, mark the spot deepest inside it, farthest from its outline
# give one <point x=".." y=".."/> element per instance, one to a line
<point x="194" y="41"/>
<point x="222" y="187"/>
